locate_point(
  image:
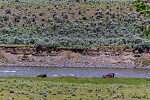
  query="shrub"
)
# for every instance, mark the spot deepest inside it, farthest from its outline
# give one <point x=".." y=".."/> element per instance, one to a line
<point x="117" y="96"/>
<point x="45" y="94"/>
<point x="4" y="17"/>
<point x="53" y="93"/>
<point x="8" y="11"/>
<point x="90" y="90"/>
<point x="41" y="14"/>
<point x="49" y="20"/>
<point x="73" y="94"/>
<point x="5" y="30"/>
<point x="17" y="18"/>
<point x="114" y="91"/>
<point x="59" y="91"/>
<point x="11" y="91"/>
<point x="143" y="47"/>
<point x="17" y="40"/>
<point x="2" y="80"/>
<point x="14" y="80"/>
<point x="84" y="17"/>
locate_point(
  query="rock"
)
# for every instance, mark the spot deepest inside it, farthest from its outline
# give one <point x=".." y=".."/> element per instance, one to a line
<point x="137" y="55"/>
<point x="42" y="75"/>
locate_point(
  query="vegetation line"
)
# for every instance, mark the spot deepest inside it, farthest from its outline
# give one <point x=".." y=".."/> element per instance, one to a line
<point x="16" y="45"/>
<point x="130" y="81"/>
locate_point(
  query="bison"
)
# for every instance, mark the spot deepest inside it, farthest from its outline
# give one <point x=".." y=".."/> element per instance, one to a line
<point x="42" y="75"/>
<point x="110" y="75"/>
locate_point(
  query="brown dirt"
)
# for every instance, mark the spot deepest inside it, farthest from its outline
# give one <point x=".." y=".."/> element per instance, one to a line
<point x="66" y="55"/>
<point x="143" y="61"/>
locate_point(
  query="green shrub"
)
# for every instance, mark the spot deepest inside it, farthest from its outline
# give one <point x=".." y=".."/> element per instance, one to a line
<point x="73" y="94"/>
<point x="143" y="47"/>
<point x="11" y="91"/>
<point x="8" y="11"/>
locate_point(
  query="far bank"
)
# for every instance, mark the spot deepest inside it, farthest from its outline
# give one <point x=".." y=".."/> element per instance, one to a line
<point x="117" y="57"/>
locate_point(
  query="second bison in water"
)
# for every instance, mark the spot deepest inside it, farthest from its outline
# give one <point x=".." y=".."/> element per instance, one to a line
<point x="42" y="75"/>
<point x="110" y="75"/>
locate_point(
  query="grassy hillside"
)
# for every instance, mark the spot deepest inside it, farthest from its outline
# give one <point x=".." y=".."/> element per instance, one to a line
<point x="72" y="24"/>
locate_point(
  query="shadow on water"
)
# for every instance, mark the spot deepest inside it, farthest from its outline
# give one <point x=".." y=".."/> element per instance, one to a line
<point x="77" y="72"/>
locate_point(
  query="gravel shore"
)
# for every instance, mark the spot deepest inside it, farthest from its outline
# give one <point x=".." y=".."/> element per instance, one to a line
<point x="71" y="65"/>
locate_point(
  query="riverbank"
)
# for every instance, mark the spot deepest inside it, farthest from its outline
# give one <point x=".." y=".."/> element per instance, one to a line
<point x="69" y="65"/>
<point x="74" y="58"/>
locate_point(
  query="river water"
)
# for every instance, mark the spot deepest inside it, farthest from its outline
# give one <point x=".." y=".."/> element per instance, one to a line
<point x="77" y="72"/>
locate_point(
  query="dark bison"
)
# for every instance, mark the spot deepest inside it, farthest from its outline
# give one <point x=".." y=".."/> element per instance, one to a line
<point x="110" y="75"/>
<point x="42" y="75"/>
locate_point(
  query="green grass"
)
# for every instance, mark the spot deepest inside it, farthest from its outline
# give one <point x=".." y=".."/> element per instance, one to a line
<point x="71" y="88"/>
<point x="62" y="47"/>
<point x="128" y="81"/>
<point x="16" y="45"/>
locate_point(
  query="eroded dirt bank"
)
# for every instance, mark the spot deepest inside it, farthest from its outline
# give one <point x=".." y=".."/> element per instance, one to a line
<point x="68" y="56"/>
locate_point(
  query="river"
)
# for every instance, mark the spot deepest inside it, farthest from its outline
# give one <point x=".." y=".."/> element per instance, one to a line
<point x="77" y="72"/>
